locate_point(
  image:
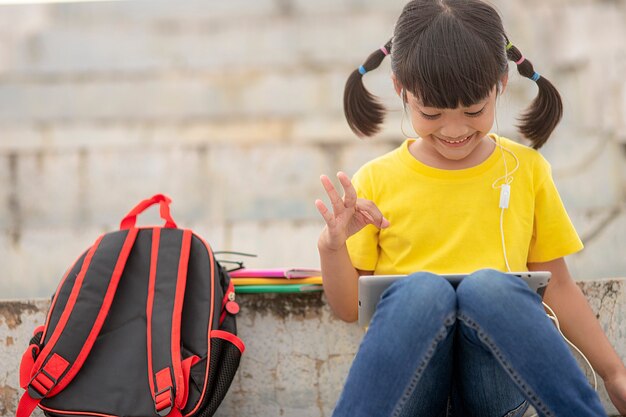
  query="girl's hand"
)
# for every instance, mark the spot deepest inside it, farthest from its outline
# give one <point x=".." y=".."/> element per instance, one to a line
<point x="350" y="214"/>
<point x="616" y="388"/>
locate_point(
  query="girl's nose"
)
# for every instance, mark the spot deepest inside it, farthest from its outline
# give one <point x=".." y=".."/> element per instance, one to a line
<point x="451" y="132"/>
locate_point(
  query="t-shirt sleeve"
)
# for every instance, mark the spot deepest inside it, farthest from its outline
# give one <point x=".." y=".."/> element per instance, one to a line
<point x="363" y="245"/>
<point x="554" y="235"/>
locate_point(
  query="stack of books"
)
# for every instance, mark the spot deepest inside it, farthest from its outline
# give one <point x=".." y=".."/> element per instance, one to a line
<point x="276" y="280"/>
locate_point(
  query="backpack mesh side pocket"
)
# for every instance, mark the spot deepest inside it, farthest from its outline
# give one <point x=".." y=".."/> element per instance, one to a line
<point x="225" y="356"/>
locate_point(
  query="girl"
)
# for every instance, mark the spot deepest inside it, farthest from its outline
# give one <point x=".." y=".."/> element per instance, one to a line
<point x="439" y="203"/>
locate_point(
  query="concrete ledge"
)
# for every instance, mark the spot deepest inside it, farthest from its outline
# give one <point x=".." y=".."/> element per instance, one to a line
<point x="297" y="352"/>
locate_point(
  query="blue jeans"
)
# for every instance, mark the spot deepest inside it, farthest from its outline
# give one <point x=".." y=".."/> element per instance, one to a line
<point x="486" y="349"/>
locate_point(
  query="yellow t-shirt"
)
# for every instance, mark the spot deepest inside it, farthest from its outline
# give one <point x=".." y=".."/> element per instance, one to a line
<point x="448" y="221"/>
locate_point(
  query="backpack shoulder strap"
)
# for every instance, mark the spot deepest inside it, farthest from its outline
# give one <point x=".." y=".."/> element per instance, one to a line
<point x="81" y="320"/>
<point x="166" y="293"/>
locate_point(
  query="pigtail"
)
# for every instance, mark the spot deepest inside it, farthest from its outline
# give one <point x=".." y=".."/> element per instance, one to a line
<point x="363" y="111"/>
<point x="546" y="110"/>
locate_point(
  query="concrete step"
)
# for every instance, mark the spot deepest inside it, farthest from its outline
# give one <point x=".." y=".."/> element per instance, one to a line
<point x="297" y="353"/>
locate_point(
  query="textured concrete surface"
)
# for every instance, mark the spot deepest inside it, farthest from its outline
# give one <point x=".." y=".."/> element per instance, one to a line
<point x="297" y="353"/>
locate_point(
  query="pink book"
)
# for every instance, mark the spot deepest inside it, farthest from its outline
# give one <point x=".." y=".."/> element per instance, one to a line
<point x="276" y="273"/>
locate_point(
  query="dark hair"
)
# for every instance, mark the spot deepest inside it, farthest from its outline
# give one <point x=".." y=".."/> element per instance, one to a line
<point x="446" y="53"/>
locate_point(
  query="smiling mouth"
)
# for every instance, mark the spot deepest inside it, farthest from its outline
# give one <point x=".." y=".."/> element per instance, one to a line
<point x="457" y="142"/>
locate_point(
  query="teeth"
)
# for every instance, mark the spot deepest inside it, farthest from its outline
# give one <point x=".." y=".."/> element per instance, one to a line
<point x="456" y="141"/>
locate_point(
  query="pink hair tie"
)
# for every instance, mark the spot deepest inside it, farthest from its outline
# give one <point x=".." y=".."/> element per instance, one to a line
<point x="520" y="60"/>
<point x="385" y="51"/>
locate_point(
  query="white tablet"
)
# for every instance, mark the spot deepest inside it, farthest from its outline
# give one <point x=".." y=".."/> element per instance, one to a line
<point x="371" y="288"/>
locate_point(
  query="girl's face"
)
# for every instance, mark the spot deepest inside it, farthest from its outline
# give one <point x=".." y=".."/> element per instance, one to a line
<point x="452" y="135"/>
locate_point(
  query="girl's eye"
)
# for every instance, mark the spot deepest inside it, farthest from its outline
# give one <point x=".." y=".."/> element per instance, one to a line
<point x="429" y="116"/>
<point x="436" y="116"/>
<point x="476" y="114"/>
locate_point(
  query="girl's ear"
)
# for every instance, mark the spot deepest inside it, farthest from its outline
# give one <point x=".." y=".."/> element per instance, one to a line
<point x="396" y="85"/>
<point x="502" y="83"/>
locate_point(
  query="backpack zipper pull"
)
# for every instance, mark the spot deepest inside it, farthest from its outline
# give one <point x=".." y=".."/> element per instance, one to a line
<point x="231" y="306"/>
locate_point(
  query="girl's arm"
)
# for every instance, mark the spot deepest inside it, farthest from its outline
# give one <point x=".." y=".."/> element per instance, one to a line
<point x="349" y="215"/>
<point x="579" y="324"/>
<point x="340" y="281"/>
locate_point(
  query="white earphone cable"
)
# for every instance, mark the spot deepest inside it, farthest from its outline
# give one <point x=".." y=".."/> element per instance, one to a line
<point x="504" y="202"/>
<point x="553" y="317"/>
<point x="504" y="196"/>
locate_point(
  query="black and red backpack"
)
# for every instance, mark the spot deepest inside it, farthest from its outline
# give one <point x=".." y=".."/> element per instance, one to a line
<point x="143" y="324"/>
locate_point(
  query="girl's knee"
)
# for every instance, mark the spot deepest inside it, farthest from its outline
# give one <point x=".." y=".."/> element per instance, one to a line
<point x="489" y="290"/>
<point x="488" y="284"/>
<point x="421" y="294"/>
<point x="422" y="285"/>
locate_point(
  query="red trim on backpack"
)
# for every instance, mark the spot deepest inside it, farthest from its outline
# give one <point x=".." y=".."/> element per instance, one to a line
<point x="187" y="364"/>
<point x="156" y="236"/>
<point x="56" y="295"/>
<point x="231" y="288"/>
<point x="163" y="379"/>
<point x="75" y="413"/>
<point x="26" y="365"/>
<point x="163" y="398"/>
<point x="49" y="375"/>
<point x="206" y="372"/>
<point x="26" y="406"/>
<point x="226" y="299"/>
<point x="68" y="308"/>
<point x="39" y="329"/>
<point x="28" y="359"/>
<point x="221" y="334"/>
<point x="181" y="282"/>
<point x="102" y="314"/>
<point x="46" y="378"/>
<point x="175" y="413"/>
<point x="41" y="384"/>
<point x="164" y="202"/>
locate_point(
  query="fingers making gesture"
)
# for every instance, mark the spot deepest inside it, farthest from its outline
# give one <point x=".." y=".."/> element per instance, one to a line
<point x="349" y="214"/>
